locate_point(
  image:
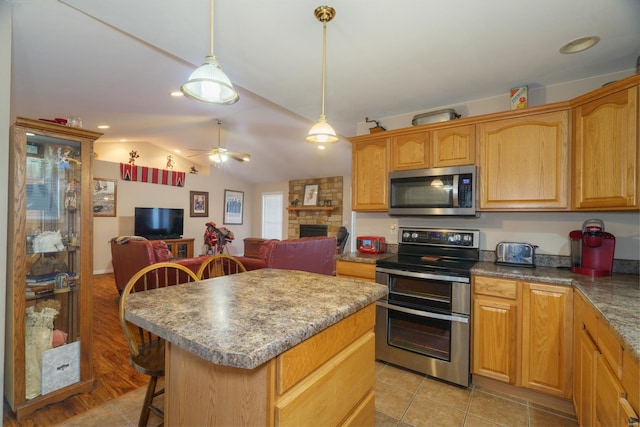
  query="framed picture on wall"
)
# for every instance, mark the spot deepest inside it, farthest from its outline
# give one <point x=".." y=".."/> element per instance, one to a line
<point x="104" y="197"/>
<point x="310" y="195"/>
<point x="198" y="203"/>
<point x="233" y="207"/>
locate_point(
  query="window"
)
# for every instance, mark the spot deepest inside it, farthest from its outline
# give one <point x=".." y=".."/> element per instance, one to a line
<point x="272" y="215"/>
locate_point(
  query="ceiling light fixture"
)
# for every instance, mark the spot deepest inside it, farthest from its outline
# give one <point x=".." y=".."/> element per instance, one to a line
<point x="322" y="133"/>
<point x="219" y="154"/>
<point x="578" y="45"/>
<point x="208" y="83"/>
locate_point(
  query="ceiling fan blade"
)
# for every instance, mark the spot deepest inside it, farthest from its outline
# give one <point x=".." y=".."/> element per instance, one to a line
<point x="241" y="157"/>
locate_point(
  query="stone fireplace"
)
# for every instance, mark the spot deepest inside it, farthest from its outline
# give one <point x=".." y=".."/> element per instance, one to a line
<point x="327" y="212"/>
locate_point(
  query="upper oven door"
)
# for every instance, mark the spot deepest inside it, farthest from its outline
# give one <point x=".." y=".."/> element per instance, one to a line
<point x="444" y="191"/>
<point x="427" y="291"/>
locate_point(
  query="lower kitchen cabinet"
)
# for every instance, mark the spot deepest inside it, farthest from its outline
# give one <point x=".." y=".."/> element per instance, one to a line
<point x="522" y="334"/>
<point x="356" y="270"/>
<point x="606" y="384"/>
<point x="495" y="310"/>
<point x="547" y="319"/>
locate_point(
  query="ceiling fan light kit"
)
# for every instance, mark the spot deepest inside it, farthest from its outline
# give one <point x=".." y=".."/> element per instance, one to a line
<point x="208" y="83"/>
<point x="219" y="154"/>
<point x="322" y="133"/>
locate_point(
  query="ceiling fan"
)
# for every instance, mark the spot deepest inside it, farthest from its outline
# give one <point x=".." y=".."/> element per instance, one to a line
<point x="219" y="154"/>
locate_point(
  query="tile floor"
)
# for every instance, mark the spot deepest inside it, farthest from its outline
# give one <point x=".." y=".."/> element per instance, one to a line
<point x="403" y="399"/>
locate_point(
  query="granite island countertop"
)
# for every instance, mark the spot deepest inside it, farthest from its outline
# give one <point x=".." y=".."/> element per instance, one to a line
<point x="244" y="320"/>
<point x="616" y="297"/>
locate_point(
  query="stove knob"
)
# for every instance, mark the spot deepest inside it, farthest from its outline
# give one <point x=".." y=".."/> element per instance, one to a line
<point x="414" y="236"/>
<point x="406" y="235"/>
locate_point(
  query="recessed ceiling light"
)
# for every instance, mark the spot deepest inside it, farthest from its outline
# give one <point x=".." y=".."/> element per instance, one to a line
<point x="578" y="45"/>
<point x="176" y="151"/>
<point x="321" y="147"/>
<point x="176" y="94"/>
<point x="123" y="140"/>
<point x="104" y="127"/>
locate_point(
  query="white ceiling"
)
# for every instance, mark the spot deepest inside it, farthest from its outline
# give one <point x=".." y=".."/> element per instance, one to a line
<point x="116" y="62"/>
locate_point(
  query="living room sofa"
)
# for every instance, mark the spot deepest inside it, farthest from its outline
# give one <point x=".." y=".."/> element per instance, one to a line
<point x="312" y="254"/>
<point x="129" y="254"/>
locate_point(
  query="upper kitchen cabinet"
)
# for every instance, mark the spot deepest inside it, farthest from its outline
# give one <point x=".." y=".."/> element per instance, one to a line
<point x="435" y="146"/>
<point x="49" y="265"/>
<point x="605" y="148"/>
<point x="453" y="146"/>
<point x="410" y="151"/>
<point x="524" y="160"/>
<point x="370" y="174"/>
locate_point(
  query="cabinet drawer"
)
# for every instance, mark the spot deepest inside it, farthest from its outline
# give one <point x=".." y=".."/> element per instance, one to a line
<point x="501" y="288"/>
<point x="356" y="270"/>
<point x="352" y="372"/>
<point x="296" y="363"/>
<point x="610" y="348"/>
<point x="364" y="414"/>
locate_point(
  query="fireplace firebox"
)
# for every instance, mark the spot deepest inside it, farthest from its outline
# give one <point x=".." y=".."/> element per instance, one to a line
<point x="313" y="230"/>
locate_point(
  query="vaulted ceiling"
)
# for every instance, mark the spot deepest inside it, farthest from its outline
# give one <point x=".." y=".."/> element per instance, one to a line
<point x="115" y="62"/>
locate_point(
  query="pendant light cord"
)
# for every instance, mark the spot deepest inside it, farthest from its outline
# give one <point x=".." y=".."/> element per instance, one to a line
<point x="211" y="30"/>
<point x="324" y="61"/>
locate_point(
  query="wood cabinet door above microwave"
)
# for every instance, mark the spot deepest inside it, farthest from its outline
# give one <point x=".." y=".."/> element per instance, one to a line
<point x="370" y="175"/>
<point x="453" y="146"/>
<point x="410" y="151"/>
<point x="524" y="162"/>
<point x="605" y="152"/>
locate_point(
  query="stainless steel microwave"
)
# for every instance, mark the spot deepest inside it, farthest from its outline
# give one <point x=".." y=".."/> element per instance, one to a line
<point x="441" y="191"/>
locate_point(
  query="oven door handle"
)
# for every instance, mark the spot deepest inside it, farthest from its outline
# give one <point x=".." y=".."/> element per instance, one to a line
<point x="421" y="313"/>
<point x="422" y="275"/>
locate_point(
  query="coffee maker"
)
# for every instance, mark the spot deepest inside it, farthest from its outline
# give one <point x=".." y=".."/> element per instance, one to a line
<point x="592" y="249"/>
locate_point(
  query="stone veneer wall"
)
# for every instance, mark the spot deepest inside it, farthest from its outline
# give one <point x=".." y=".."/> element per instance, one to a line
<point x="329" y="188"/>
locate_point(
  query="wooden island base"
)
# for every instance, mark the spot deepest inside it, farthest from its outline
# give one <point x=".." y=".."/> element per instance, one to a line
<point x="325" y="380"/>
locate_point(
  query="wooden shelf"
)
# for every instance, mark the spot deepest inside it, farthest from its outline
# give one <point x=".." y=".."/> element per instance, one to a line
<point x="297" y="210"/>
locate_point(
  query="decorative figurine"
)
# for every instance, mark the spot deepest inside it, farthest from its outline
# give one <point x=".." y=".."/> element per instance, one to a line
<point x="170" y="162"/>
<point x="133" y="155"/>
<point x="193" y="170"/>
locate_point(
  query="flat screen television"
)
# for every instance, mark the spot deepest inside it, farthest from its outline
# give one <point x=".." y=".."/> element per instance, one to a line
<point x="159" y="223"/>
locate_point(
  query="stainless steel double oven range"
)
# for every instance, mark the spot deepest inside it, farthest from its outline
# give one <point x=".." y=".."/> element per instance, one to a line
<point x="424" y="324"/>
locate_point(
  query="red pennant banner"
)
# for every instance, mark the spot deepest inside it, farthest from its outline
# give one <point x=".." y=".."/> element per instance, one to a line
<point x="130" y="172"/>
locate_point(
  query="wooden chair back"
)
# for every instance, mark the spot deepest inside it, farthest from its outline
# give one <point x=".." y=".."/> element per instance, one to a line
<point x="153" y="276"/>
<point x="220" y="265"/>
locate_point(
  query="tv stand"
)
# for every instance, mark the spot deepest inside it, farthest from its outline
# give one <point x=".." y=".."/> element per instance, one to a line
<point x="180" y="248"/>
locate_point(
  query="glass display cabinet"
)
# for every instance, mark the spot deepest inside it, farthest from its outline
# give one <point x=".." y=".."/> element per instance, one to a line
<point x="49" y="264"/>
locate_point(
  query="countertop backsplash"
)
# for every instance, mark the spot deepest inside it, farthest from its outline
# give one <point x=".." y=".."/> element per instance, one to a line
<point x="625" y="266"/>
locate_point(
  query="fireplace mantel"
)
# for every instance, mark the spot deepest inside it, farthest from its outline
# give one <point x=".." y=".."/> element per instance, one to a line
<point x="297" y="210"/>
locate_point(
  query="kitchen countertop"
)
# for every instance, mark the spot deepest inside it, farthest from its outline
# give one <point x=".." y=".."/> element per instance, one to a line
<point x="244" y="320"/>
<point x="362" y="257"/>
<point x="616" y="297"/>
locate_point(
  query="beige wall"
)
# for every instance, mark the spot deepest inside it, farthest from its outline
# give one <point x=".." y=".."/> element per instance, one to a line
<point x="5" y="109"/>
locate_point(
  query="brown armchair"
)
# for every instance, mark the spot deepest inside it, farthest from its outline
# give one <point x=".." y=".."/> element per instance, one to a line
<point x="131" y="254"/>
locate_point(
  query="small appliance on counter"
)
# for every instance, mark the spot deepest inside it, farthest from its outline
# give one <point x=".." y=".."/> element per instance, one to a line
<point x="515" y="254"/>
<point x="371" y="244"/>
<point x="592" y="249"/>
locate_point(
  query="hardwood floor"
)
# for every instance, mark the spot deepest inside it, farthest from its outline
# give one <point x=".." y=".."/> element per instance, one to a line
<point x="114" y="376"/>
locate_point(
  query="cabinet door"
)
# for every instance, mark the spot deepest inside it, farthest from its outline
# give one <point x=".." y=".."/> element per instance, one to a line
<point x="454" y="146"/>
<point x="410" y="151"/>
<point x="356" y="270"/>
<point x="524" y="163"/>
<point x="608" y="394"/>
<point x="547" y="319"/>
<point x="494" y="339"/>
<point x="370" y="175"/>
<point x="584" y="383"/>
<point x="605" y="152"/>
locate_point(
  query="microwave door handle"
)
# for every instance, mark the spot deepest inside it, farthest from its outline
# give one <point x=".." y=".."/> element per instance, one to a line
<point x="454" y="191"/>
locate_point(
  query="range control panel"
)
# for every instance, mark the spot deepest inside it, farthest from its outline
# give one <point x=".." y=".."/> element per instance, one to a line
<point x="440" y="237"/>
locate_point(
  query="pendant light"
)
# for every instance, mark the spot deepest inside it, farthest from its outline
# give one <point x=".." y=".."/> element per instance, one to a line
<point x="208" y="83"/>
<point x="322" y="133"/>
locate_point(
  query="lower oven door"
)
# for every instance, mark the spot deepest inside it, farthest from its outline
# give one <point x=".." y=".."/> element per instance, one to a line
<point x="432" y="343"/>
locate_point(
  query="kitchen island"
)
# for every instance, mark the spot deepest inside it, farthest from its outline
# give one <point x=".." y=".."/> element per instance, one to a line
<point x="266" y="347"/>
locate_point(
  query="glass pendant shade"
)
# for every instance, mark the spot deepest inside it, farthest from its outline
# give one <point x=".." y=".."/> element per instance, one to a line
<point x="322" y="132"/>
<point x="208" y="83"/>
